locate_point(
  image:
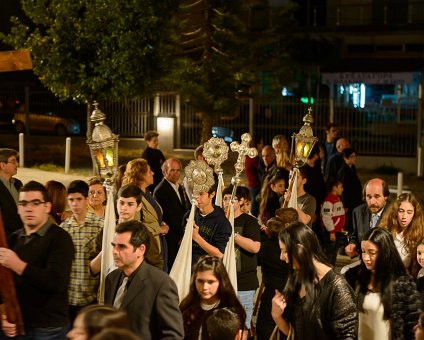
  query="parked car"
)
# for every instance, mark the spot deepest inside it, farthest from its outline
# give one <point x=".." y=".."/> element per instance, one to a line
<point x="7" y="107"/>
<point x="47" y="122"/>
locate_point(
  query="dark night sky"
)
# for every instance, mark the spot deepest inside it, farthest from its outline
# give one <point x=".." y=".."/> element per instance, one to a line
<point x="8" y="8"/>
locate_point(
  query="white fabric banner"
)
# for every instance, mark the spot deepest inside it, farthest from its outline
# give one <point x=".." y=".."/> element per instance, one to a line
<point x="293" y="194"/>
<point x="181" y="269"/>
<point x="218" y="198"/>
<point x="108" y="234"/>
<point x="229" y="259"/>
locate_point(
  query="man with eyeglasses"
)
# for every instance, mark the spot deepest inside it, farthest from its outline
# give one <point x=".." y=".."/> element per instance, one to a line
<point x="40" y="256"/>
<point x="9" y="190"/>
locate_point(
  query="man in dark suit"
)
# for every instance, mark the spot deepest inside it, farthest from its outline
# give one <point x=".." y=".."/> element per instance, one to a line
<point x="147" y="294"/>
<point x="174" y="202"/>
<point x="9" y="190"/>
<point x="368" y="215"/>
<point x="329" y="144"/>
<point x="336" y="161"/>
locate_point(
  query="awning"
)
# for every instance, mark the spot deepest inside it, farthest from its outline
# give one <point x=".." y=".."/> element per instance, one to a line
<point x="15" y="61"/>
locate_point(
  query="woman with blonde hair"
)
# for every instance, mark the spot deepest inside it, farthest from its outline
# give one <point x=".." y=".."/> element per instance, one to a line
<point x="138" y="173"/>
<point x="404" y="220"/>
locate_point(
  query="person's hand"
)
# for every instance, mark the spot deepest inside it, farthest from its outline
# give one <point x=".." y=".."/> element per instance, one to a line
<point x="164" y="228"/>
<point x="287" y="195"/>
<point x="64" y="215"/>
<point x="278" y="304"/>
<point x="196" y="235"/>
<point x="333" y="237"/>
<point x="9" y="259"/>
<point x="9" y="329"/>
<point x="350" y="250"/>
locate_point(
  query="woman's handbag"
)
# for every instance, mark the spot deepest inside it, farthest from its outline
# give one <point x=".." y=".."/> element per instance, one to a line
<point x="276" y="334"/>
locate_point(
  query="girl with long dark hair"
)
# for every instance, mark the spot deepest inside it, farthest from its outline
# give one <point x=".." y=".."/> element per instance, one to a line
<point x="317" y="303"/>
<point x="210" y="288"/>
<point x="388" y="301"/>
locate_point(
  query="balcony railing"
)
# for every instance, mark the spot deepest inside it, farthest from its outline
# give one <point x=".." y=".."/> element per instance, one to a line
<point x="356" y="14"/>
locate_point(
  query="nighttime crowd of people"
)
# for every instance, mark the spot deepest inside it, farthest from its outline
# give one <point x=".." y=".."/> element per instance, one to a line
<point x="288" y="285"/>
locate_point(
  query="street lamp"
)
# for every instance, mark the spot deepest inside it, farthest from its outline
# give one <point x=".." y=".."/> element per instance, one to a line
<point x="103" y="145"/>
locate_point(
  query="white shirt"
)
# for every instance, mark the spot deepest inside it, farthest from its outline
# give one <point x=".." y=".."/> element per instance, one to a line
<point x="371" y="323"/>
<point x="402" y="250"/>
<point x="175" y="187"/>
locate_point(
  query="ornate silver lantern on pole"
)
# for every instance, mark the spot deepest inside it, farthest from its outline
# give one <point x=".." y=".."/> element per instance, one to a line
<point x="301" y="147"/>
<point x="215" y="151"/>
<point x="103" y="145"/>
<point x="303" y="142"/>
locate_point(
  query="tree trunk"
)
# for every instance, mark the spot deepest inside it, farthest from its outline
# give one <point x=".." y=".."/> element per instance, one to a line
<point x="90" y="130"/>
<point x="206" y="127"/>
<point x="89" y="127"/>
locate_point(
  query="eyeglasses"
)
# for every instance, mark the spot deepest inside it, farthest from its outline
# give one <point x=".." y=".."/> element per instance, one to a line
<point x="33" y="203"/>
<point x="13" y="161"/>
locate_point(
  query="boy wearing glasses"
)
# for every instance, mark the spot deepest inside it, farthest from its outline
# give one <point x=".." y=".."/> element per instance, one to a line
<point x="9" y="190"/>
<point x="40" y="256"/>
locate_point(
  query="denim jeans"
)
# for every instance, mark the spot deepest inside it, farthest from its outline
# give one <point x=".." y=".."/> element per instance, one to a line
<point x="45" y="333"/>
<point x="331" y="248"/>
<point x="246" y="300"/>
<point x="254" y="209"/>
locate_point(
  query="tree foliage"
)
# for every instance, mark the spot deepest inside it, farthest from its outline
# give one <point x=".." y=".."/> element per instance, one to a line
<point x="213" y="62"/>
<point x="85" y="49"/>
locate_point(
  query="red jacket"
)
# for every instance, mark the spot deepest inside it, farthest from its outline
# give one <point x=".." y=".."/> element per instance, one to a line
<point x="333" y="213"/>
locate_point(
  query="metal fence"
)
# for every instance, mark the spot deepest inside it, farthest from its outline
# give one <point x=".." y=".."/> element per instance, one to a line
<point x="130" y="118"/>
<point x="371" y="131"/>
<point x="382" y="130"/>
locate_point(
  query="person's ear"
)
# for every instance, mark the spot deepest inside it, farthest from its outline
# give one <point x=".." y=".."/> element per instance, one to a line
<point x="48" y="207"/>
<point x="212" y="195"/>
<point x="142" y="250"/>
<point x="139" y="207"/>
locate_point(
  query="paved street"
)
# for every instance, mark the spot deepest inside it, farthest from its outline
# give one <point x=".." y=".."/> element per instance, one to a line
<point x="28" y="174"/>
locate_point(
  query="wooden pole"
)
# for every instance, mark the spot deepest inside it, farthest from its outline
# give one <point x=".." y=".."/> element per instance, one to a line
<point x="8" y="289"/>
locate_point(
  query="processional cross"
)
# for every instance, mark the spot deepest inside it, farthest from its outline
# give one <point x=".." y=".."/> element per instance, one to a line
<point x="243" y="150"/>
